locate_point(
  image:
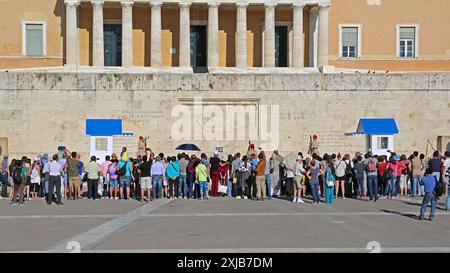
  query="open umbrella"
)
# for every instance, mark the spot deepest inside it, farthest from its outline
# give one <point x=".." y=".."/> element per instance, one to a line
<point x="188" y="147"/>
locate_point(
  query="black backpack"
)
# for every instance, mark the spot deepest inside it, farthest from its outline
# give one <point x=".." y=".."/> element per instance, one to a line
<point x="17" y="176"/>
<point x="439" y="189"/>
<point x="387" y="174"/>
<point x="348" y="170"/>
<point x="123" y="169"/>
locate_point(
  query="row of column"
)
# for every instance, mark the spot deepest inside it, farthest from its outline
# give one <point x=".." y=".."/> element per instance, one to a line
<point x="321" y="25"/>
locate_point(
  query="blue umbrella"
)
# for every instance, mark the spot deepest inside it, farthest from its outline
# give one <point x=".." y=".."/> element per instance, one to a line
<point x="188" y="147"/>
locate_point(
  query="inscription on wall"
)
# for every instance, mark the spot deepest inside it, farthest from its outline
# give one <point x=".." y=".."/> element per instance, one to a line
<point x="335" y="141"/>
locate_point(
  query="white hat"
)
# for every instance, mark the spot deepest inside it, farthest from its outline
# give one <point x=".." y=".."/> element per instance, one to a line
<point x="216" y="153"/>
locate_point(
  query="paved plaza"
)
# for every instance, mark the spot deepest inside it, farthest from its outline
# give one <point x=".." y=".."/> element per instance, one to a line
<point x="222" y="225"/>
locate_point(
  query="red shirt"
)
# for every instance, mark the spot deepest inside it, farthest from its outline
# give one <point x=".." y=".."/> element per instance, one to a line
<point x="381" y="167"/>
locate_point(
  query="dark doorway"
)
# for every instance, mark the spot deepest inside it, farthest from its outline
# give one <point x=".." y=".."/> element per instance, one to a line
<point x="198" y="46"/>
<point x="281" y="46"/>
<point x="113" y="44"/>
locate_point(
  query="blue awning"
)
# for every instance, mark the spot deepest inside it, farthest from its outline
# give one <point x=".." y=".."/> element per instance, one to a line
<point x="103" y="127"/>
<point x="376" y="126"/>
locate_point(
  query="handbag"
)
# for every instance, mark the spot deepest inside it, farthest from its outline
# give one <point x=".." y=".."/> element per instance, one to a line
<point x="330" y="183"/>
<point x="223" y="189"/>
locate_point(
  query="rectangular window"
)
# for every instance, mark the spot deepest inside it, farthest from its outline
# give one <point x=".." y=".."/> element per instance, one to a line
<point x="382" y="143"/>
<point x="349" y="42"/>
<point x="101" y="144"/>
<point x="407" y="42"/>
<point x="34" y="39"/>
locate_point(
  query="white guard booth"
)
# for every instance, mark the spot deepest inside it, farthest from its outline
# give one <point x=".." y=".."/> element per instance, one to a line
<point x="379" y="134"/>
<point x="101" y="132"/>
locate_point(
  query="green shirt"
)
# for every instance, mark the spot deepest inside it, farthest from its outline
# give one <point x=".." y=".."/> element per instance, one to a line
<point x="92" y="169"/>
<point x="200" y="170"/>
<point x="72" y="167"/>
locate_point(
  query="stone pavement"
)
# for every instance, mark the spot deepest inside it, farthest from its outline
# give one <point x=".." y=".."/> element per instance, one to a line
<point x="221" y="225"/>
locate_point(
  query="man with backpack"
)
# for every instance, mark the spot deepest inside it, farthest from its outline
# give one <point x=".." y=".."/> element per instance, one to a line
<point x="372" y="179"/>
<point x="433" y="191"/>
<point x="19" y="183"/>
<point x="124" y="172"/>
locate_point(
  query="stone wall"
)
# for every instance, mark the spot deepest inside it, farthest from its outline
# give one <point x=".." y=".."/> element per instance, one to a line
<point x="39" y="111"/>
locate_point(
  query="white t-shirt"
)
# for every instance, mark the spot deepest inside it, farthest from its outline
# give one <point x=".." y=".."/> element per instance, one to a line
<point x="339" y="166"/>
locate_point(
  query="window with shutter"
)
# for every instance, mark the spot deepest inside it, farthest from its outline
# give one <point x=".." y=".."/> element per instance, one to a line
<point x="34" y="39"/>
<point x="349" y="42"/>
<point x="407" y="42"/>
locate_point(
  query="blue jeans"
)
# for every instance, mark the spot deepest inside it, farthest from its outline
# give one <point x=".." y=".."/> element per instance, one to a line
<point x="329" y="195"/>
<point x="190" y="185"/>
<point x="447" y="205"/>
<point x="315" y="191"/>
<point x="230" y="188"/>
<point x="182" y="185"/>
<point x="372" y="186"/>
<point x="268" y="186"/>
<point x="391" y="183"/>
<point x="429" y="197"/>
<point x="414" y="183"/>
<point x="157" y="186"/>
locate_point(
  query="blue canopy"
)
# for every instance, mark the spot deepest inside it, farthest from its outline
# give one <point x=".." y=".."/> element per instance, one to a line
<point x="376" y="126"/>
<point x="103" y="127"/>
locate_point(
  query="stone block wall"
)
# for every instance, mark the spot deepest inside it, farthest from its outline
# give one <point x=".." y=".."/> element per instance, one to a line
<point x="39" y="111"/>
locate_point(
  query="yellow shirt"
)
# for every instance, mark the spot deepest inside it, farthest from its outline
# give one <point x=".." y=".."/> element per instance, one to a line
<point x="200" y="170"/>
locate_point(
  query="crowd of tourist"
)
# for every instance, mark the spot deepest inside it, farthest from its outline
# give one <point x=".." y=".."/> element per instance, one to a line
<point x="249" y="176"/>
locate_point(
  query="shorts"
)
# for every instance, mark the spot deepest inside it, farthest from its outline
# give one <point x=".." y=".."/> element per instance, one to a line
<point x="74" y="181"/>
<point x="203" y="187"/>
<point x="34" y="187"/>
<point x="113" y="183"/>
<point x="27" y="181"/>
<point x="299" y="181"/>
<point x="166" y="181"/>
<point x="125" y="181"/>
<point x="338" y="178"/>
<point x="146" y="183"/>
<point x="403" y="181"/>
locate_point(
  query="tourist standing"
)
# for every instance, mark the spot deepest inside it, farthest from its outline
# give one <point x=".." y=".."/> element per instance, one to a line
<point x="235" y="172"/>
<point x="182" y="180"/>
<point x="402" y="171"/>
<point x="260" y="177"/>
<point x="191" y="185"/>
<point x="35" y="179"/>
<point x="4" y="176"/>
<point x="244" y="175"/>
<point x="435" y="164"/>
<point x="269" y="169"/>
<point x="313" y="176"/>
<point x="390" y="176"/>
<point x="93" y="171"/>
<point x="429" y="183"/>
<point x="213" y="170"/>
<point x="55" y="170"/>
<point x="113" y="178"/>
<point x="299" y="177"/>
<point x="173" y="172"/>
<point x="19" y="183"/>
<point x="157" y="173"/>
<point x="135" y="177"/>
<point x="329" y="183"/>
<point x="124" y="172"/>
<point x="72" y="166"/>
<point x="223" y="174"/>
<point x="416" y="166"/>
<point x="372" y="177"/>
<point x="105" y="174"/>
<point x="202" y="178"/>
<point x="359" y="177"/>
<point x="145" y="176"/>
<point x="339" y="166"/>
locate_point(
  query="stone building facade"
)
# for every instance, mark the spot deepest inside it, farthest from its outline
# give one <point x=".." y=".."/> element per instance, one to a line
<point x="41" y="110"/>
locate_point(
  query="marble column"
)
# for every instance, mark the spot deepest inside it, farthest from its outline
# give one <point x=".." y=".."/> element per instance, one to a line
<point x="313" y="37"/>
<point x="213" y="34"/>
<point x="127" y="33"/>
<point x="156" y="59"/>
<point x="297" y="33"/>
<point x="241" y="35"/>
<point x="72" y="41"/>
<point x="185" y="39"/>
<point x="269" y="36"/>
<point x="322" y="53"/>
<point x="98" y="50"/>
